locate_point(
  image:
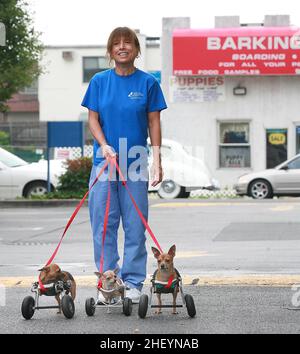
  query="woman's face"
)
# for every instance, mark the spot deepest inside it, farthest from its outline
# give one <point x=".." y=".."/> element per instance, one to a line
<point x="123" y="51"/>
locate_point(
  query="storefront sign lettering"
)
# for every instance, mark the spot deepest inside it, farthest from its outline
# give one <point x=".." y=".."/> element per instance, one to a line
<point x="237" y="51"/>
<point x="196" y="89"/>
<point x="277" y="138"/>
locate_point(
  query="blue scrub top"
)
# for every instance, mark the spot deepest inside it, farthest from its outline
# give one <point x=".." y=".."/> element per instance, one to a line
<point x="123" y="104"/>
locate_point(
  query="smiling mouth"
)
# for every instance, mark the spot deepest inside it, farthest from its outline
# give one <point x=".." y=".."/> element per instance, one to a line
<point x="123" y="54"/>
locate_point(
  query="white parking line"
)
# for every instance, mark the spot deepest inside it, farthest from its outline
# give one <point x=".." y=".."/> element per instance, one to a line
<point x="22" y="228"/>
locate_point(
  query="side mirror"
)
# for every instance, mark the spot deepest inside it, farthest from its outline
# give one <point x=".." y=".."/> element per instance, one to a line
<point x="285" y="167"/>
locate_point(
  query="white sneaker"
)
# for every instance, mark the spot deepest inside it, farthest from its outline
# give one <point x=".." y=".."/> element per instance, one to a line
<point x="134" y="294"/>
<point x="101" y="299"/>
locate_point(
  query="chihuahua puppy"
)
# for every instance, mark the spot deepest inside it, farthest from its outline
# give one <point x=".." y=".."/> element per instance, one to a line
<point x="110" y="281"/>
<point x="51" y="274"/>
<point x="165" y="271"/>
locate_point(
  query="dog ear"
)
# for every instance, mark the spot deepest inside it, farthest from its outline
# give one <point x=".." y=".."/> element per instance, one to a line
<point x="155" y="252"/>
<point x="44" y="269"/>
<point x="99" y="275"/>
<point x="172" y="251"/>
<point x="116" y="271"/>
<point x="58" y="269"/>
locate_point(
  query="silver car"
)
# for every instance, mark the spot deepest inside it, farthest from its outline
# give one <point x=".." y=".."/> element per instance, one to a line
<point x="282" y="180"/>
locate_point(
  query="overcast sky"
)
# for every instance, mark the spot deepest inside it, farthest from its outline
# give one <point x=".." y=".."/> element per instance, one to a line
<point x="91" y="21"/>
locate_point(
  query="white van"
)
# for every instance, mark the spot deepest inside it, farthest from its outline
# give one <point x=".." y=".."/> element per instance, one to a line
<point x="182" y="172"/>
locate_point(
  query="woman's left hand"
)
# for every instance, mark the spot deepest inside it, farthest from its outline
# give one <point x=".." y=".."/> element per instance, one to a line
<point x="156" y="174"/>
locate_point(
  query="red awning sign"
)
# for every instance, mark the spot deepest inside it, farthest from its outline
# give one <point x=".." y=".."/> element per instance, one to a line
<point x="237" y="51"/>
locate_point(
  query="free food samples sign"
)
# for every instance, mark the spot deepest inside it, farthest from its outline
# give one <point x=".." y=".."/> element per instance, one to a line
<point x="237" y="51"/>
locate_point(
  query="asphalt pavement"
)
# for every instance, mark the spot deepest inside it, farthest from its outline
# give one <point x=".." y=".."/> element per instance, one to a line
<point x="243" y="256"/>
<point x="220" y="309"/>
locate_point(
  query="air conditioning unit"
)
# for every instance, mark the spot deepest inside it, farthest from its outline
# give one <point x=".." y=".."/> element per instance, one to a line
<point x="67" y="55"/>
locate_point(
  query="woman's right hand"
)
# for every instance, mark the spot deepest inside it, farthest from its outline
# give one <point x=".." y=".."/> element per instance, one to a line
<point x="108" y="152"/>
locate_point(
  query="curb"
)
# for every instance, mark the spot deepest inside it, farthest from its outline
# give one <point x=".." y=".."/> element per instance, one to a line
<point x="39" y="203"/>
<point x="12" y="203"/>
<point x="279" y="280"/>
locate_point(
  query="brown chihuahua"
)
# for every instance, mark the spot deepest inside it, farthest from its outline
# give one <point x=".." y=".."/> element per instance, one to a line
<point x="110" y="281"/>
<point x="51" y="274"/>
<point x="166" y="271"/>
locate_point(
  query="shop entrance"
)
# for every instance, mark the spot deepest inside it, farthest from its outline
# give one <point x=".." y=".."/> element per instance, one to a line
<point x="276" y="146"/>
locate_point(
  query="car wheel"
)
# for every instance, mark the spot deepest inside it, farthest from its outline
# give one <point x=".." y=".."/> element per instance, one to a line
<point x="35" y="189"/>
<point x="260" y="189"/>
<point x="170" y="190"/>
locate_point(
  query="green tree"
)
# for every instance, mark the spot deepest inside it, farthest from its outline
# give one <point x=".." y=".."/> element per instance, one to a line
<point x="20" y="57"/>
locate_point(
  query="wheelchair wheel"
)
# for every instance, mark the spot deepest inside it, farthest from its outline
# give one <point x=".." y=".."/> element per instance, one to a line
<point x="127" y="306"/>
<point x="67" y="306"/>
<point x="190" y="305"/>
<point x="143" y="306"/>
<point x="90" y="306"/>
<point x="27" y="307"/>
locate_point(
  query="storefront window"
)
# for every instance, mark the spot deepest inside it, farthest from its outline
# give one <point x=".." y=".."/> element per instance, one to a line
<point x="276" y="146"/>
<point x="234" y="145"/>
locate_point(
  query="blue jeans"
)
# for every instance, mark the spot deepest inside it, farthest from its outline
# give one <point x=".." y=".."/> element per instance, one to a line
<point x="133" y="271"/>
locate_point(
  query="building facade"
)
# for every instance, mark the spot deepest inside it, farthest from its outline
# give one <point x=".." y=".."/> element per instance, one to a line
<point x="237" y="117"/>
<point x="69" y="70"/>
<point x="232" y="91"/>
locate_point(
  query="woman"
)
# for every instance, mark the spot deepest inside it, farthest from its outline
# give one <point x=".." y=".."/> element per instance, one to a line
<point x="124" y="103"/>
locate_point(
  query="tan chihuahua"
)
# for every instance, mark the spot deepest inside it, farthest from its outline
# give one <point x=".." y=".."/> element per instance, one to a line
<point x="165" y="271"/>
<point x="110" y="281"/>
<point x="51" y="274"/>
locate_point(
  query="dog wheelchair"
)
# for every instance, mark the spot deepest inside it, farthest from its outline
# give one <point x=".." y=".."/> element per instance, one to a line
<point x="159" y="287"/>
<point x="122" y="302"/>
<point x="61" y="288"/>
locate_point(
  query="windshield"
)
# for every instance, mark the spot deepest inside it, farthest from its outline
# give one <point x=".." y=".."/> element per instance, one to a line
<point x="11" y="160"/>
<point x="291" y="164"/>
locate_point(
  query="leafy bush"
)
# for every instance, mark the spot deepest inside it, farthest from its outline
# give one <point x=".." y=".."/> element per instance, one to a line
<point x="4" y="138"/>
<point x="74" y="182"/>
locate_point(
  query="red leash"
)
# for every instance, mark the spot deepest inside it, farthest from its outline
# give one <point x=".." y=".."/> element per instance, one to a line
<point x="170" y="281"/>
<point x="112" y="162"/>
<point x="136" y="207"/>
<point x="42" y="288"/>
<point x="105" y="224"/>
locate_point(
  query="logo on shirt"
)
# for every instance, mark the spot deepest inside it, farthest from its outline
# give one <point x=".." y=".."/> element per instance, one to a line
<point x="135" y="95"/>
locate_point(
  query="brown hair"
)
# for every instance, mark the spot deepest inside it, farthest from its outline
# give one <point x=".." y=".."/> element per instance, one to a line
<point x="119" y="32"/>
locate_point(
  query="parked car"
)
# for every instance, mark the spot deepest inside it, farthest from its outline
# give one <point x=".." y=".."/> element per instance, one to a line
<point x="19" y="178"/>
<point x="282" y="180"/>
<point x="182" y="172"/>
